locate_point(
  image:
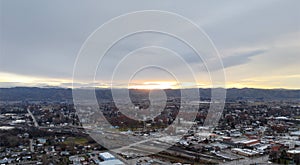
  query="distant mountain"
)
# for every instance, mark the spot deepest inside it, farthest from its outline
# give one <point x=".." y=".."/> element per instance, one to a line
<point x="35" y="94"/>
<point x="263" y="94"/>
<point x="62" y="94"/>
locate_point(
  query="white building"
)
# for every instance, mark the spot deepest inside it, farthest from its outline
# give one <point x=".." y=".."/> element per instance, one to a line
<point x="106" y="156"/>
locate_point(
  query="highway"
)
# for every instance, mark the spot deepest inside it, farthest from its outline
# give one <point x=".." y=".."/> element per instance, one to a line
<point x="36" y="124"/>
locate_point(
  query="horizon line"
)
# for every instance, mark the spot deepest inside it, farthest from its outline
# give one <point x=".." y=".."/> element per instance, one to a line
<point x="57" y="87"/>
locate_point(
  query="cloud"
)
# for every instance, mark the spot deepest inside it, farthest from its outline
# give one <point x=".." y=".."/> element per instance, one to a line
<point x="42" y="38"/>
<point x="240" y="58"/>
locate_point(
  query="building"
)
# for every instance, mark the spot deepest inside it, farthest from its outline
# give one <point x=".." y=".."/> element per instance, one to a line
<point x="296" y="133"/>
<point x="249" y="143"/>
<point x="245" y="152"/>
<point x="109" y="159"/>
<point x="293" y="153"/>
<point x="111" y="162"/>
<point x="106" y="156"/>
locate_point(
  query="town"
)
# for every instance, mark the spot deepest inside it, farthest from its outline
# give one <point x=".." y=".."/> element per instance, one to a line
<point x="249" y="132"/>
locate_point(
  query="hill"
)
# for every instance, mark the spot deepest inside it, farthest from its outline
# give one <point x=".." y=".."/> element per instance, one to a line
<point x="63" y="94"/>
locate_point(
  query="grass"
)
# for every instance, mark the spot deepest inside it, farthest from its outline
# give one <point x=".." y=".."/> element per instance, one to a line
<point x="76" y="141"/>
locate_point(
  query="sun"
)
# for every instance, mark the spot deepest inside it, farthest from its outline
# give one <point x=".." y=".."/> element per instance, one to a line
<point x="154" y="85"/>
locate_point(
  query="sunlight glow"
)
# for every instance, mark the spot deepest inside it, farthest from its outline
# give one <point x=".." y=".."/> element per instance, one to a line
<point x="277" y="81"/>
<point x="30" y="81"/>
<point x="154" y="85"/>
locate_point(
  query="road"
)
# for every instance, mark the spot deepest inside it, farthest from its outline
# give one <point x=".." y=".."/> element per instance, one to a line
<point x="247" y="161"/>
<point x="36" y="124"/>
<point x="31" y="145"/>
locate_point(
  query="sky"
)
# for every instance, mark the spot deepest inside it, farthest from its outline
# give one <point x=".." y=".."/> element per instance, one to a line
<point x="258" y="41"/>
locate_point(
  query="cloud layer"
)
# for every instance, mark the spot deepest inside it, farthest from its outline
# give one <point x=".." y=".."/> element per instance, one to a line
<point x="258" y="40"/>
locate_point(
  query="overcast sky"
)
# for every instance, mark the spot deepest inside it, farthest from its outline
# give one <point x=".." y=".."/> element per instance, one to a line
<point x="258" y="40"/>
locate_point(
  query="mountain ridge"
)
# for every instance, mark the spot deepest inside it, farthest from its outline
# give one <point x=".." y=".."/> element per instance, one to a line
<point x="65" y="94"/>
